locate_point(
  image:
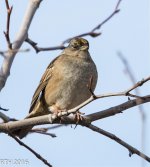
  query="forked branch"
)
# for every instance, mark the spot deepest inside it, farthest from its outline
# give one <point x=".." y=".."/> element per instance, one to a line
<point x="130" y="148"/>
<point x="91" y="33"/>
<point x="9" y="10"/>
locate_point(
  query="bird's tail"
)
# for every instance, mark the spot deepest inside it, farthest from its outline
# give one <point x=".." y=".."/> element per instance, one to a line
<point x="37" y="111"/>
<point x="21" y="133"/>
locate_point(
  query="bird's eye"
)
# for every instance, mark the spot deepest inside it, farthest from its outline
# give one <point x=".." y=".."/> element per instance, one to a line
<point x="75" y="46"/>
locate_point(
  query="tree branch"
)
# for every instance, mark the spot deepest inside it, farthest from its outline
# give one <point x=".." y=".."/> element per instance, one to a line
<point x="41" y="131"/>
<point x="44" y="131"/>
<point x="93" y="117"/>
<point x="4" y="117"/>
<point x="21" y="36"/>
<point x="3" y="109"/>
<point x="65" y="119"/>
<point x="31" y="150"/>
<point x="117" y="109"/>
<point x="53" y="118"/>
<point x="131" y="149"/>
<point x="38" y="49"/>
<point x="5" y="52"/>
<point x="91" y="33"/>
<point x="129" y="72"/>
<point x="9" y="10"/>
<point x="86" y="121"/>
<point x="116" y="10"/>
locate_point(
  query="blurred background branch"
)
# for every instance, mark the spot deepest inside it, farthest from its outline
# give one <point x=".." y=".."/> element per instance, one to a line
<point x="91" y="33"/>
<point x="128" y="71"/>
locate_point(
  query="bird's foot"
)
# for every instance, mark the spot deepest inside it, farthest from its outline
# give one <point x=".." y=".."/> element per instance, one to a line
<point x="78" y="117"/>
<point x="57" y="111"/>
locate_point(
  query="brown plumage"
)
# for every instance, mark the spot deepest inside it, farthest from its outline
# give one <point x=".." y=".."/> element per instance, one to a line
<point x="64" y="83"/>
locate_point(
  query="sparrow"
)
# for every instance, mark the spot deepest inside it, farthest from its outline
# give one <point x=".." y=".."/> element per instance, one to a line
<point x="64" y="85"/>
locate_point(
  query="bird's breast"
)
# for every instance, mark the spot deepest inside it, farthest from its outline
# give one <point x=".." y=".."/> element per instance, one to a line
<point x="69" y="86"/>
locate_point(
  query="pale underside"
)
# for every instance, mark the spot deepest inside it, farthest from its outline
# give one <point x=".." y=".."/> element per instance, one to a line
<point x="64" y="85"/>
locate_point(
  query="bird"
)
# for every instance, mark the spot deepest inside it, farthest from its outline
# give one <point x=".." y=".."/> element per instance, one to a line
<point x="64" y="85"/>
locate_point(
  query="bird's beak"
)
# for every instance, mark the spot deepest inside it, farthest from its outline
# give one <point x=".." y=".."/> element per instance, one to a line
<point x="84" y="48"/>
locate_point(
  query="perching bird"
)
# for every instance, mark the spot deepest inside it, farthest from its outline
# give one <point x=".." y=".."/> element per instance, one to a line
<point x="64" y="85"/>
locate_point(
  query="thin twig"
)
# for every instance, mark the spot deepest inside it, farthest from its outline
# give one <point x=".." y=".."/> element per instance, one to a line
<point x="116" y="10"/>
<point x="117" y="109"/>
<point x="3" y="109"/>
<point x="4" y="117"/>
<point x="91" y="33"/>
<point x="131" y="149"/>
<point x="127" y="92"/>
<point x="46" y="129"/>
<point x="2" y="53"/>
<point x="7" y="36"/>
<point x="53" y="118"/>
<point x="38" y="49"/>
<point x="31" y="150"/>
<point x="43" y="133"/>
<point x="17" y="43"/>
<point x="7" y="127"/>
<point x="94" y="97"/>
<point x="129" y="72"/>
<point x="55" y="127"/>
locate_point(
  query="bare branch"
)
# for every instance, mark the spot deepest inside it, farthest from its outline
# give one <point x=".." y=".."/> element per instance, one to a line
<point x="9" y="10"/>
<point x="4" y="109"/>
<point x="140" y="83"/>
<point x="109" y="17"/>
<point x="132" y="78"/>
<point x="91" y="33"/>
<point x="127" y="92"/>
<point x="38" y="49"/>
<point x="42" y="132"/>
<point x="54" y="119"/>
<point x="46" y="129"/>
<point x="31" y="150"/>
<point x="4" y="117"/>
<point x="5" y="52"/>
<point x="117" y="109"/>
<point x="129" y="72"/>
<point x="21" y="36"/>
<point x="55" y="127"/>
<point x="131" y="149"/>
<point x="2" y="54"/>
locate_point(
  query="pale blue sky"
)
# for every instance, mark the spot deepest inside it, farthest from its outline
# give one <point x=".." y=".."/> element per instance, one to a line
<point x="128" y="32"/>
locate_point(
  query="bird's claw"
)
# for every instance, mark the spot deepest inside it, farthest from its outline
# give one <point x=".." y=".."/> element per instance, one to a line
<point x="78" y="117"/>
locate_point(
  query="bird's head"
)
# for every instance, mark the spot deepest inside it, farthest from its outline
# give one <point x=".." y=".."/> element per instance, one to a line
<point x="79" y="44"/>
<point x="78" y="47"/>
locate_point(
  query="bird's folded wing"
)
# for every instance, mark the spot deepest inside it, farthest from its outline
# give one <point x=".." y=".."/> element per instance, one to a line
<point x="43" y="82"/>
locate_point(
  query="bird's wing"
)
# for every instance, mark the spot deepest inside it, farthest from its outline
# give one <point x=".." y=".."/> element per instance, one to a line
<point x="43" y="82"/>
